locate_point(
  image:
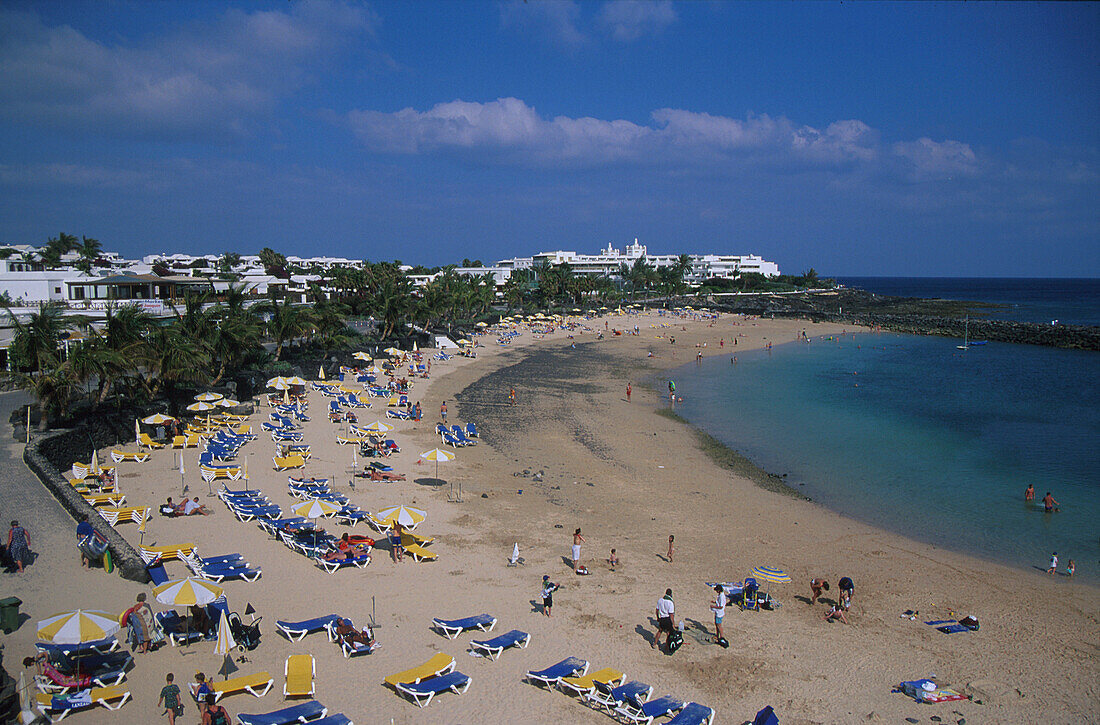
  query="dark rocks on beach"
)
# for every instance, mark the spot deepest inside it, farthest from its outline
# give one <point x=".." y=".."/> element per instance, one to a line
<point x="946" y="318"/>
<point x="485" y="495"/>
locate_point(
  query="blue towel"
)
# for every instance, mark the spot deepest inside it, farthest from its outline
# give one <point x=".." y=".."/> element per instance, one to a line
<point x="938" y="622"/>
<point x="953" y="629"/>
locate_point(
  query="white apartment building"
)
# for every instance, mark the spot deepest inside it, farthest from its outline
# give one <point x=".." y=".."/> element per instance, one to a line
<point x="609" y="260"/>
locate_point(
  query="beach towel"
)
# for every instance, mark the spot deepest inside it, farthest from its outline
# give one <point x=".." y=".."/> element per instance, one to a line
<point x="938" y="622"/>
<point x="917" y="689"/>
<point x="953" y="629"/>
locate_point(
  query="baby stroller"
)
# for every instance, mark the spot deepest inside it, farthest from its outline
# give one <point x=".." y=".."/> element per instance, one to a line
<point x="246" y="635"/>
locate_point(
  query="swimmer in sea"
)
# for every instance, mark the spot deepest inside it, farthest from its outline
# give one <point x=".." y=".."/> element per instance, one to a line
<point x="1049" y="504"/>
<point x="1029" y="494"/>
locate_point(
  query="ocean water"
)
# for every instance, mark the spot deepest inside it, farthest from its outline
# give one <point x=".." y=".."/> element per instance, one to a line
<point x="1070" y="301"/>
<point x="911" y="434"/>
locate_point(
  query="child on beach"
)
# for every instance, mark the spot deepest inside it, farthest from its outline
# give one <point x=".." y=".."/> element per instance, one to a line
<point x="1053" y="564"/>
<point x="613" y="560"/>
<point x="577" y="541"/>
<point x="548" y="589"/>
<point x="836" y="611"/>
<point x="816" y="585"/>
<point x="1069" y="571"/>
<point x="170" y="696"/>
<point x="671" y="538"/>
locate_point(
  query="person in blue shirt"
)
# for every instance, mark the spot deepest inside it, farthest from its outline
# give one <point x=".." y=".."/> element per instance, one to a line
<point x="83" y="531"/>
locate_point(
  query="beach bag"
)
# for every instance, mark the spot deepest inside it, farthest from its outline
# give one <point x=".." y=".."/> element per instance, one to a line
<point x="675" y="640"/>
<point x="971" y="623"/>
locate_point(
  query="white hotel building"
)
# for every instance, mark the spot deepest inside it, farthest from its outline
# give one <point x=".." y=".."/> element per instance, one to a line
<point x="608" y="261"/>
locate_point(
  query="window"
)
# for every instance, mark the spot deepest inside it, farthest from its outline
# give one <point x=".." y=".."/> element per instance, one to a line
<point x="57" y="290"/>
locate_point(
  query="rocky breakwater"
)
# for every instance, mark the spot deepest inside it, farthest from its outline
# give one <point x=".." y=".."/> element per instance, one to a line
<point x="946" y="318"/>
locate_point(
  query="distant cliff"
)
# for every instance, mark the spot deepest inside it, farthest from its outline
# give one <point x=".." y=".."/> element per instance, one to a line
<point x="946" y="318"/>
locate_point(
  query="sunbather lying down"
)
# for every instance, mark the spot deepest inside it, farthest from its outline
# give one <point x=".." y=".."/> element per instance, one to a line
<point x="376" y="475"/>
<point x="349" y="634"/>
<point x="346" y="549"/>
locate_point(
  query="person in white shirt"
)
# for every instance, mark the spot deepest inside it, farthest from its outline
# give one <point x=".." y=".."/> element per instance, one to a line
<point x="665" y="611"/>
<point x="718" y="606"/>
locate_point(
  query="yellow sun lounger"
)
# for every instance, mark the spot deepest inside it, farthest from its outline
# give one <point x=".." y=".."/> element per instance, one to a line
<point x="145" y="441"/>
<point x="120" y="456"/>
<point x="105" y="499"/>
<point x="288" y="462"/>
<point x="171" y="551"/>
<point x="87" y="488"/>
<point x="586" y="683"/>
<point x="256" y="685"/>
<point x="56" y="707"/>
<point x="187" y="441"/>
<point x="243" y="430"/>
<point x="299" y="671"/>
<point x="212" y="474"/>
<point x="346" y="440"/>
<point x="116" y="514"/>
<point x="83" y="470"/>
<point x="439" y="664"/>
<point x="408" y="538"/>
<point x="419" y="553"/>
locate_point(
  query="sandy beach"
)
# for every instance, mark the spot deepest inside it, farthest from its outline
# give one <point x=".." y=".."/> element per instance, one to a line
<point x="574" y="452"/>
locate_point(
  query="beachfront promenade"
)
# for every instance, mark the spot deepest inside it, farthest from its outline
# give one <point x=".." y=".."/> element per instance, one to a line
<point x="628" y="478"/>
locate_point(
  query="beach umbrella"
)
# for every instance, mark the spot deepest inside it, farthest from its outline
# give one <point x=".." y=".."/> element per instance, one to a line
<point x="315" y="509"/>
<point x="201" y="407"/>
<point x="376" y="428"/>
<point x="373" y="370"/>
<point x="93" y="467"/>
<point x="404" y="515"/>
<point x="187" y="591"/>
<point x="437" y="455"/>
<point x="209" y="397"/>
<point x="225" y="643"/>
<point x="137" y="431"/>
<point x="228" y="403"/>
<point x="394" y="351"/>
<point x="768" y="574"/>
<point x="157" y="419"/>
<point x="78" y="627"/>
<point x="321" y="373"/>
<point x="482" y="324"/>
<point x="278" y="382"/>
<point x="286" y="396"/>
<point x="463" y="342"/>
<point x="295" y="380"/>
<point x="362" y="356"/>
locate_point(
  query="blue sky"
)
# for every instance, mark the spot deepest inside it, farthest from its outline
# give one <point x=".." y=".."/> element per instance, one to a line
<point x="857" y="138"/>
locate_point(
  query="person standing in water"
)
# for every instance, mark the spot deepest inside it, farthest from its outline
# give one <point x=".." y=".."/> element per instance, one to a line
<point x="1029" y="494"/>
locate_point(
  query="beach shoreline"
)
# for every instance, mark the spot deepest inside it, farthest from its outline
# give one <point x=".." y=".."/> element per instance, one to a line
<point x="573" y="452"/>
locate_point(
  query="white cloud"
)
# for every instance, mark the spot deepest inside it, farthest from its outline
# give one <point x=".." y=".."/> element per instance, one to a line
<point x="628" y="20"/>
<point x="508" y="131"/>
<point x="929" y="159"/>
<point x="556" y="19"/>
<point x="206" y="77"/>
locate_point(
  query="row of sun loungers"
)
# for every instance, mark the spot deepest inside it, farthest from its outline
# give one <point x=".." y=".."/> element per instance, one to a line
<point x="607" y="689"/>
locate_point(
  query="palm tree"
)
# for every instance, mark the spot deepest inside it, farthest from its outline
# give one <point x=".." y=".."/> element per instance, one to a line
<point x="34" y="347"/>
<point x="392" y="304"/>
<point x="286" y="322"/>
<point x="52" y="389"/>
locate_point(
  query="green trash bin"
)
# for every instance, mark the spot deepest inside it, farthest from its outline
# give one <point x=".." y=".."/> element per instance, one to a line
<point x="9" y="614"/>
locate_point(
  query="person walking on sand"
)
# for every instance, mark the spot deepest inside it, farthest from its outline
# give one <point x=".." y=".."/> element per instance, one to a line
<point x="512" y="396"/>
<point x="19" y="546"/>
<point x="816" y="585"/>
<point x="83" y="531"/>
<point x="577" y="541"/>
<point x="671" y="539"/>
<point x="666" y="609"/>
<point x="1029" y="494"/>
<point x="215" y="714"/>
<point x="170" y="696"/>
<point x="443" y="411"/>
<point x="548" y="589"/>
<point x="1053" y="564"/>
<point x="718" y="607"/>
<point x="1049" y="504"/>
<point x="629" y="390"/>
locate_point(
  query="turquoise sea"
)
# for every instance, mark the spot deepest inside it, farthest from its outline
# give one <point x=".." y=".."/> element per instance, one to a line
<point x="911" y="434"/>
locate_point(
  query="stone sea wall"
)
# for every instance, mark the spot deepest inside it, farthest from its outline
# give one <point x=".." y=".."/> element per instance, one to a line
<point x="47" y="454"/>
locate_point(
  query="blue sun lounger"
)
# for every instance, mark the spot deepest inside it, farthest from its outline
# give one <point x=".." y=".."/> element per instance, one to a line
<point x="644" y="713"/>
<point x="492" y="648"/>
<point x="294" y="631"/>
<point x="569" y="667"/>
<point x="610" y="698"/>
<point x="693" y="714"/>
<point x="301" y="712"/>
<point x="336" y="719"/>
<point x="422" y="692"/>
<point x="451" y="628"/>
